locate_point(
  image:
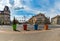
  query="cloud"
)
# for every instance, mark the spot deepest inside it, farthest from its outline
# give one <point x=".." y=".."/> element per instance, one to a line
<point x="48" y="7"/>
<point x="55" y="9"/>
<point x="17" y="3"/>
<point x="27" y="6"/>
<point x="3" y="3"/>
<point x="11" y="2"/>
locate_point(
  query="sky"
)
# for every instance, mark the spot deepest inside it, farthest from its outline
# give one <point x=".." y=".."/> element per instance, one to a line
<point x="29" y="8"/>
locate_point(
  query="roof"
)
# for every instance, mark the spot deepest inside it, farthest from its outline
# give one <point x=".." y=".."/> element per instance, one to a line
<point x="56" y="16"/>
<point x="37" y="15"/>
<point x="1" y="12"/>
<point x="40" y="14"/>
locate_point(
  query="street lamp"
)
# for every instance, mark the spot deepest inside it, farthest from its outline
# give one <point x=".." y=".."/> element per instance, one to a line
<point x="24" y="18"/>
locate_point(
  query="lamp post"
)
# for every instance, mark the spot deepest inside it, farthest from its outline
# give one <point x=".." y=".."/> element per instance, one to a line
<point x="24" y="18"/>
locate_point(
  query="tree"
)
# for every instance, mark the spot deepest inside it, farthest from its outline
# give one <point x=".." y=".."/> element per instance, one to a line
<point x="14" y="24"/>
<point x="46" y="21"/>
<point x="14" y="21"/>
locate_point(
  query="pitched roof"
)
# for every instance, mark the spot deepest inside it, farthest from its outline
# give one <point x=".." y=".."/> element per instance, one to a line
<point x="38" y="15"/>
<point x="1" y="12"/>
<point x="56" y="16"/>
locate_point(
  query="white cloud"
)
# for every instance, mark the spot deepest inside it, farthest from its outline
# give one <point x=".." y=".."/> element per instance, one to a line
<point x="54" y="11"/>
<point x="51" y="12"/>
<point x="3" y="3"/>
<point x="31" y="10"/>
<point x="17" y="3"/>
<point x="1" y="7"/>
<point x="57" y="5"/>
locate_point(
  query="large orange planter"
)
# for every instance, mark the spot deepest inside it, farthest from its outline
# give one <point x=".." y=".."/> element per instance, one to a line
<point x="25" y="26"/>
<point x="46" y="27"/>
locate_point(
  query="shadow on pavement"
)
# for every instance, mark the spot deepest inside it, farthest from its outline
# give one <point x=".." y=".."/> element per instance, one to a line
<point x="17" y="30"/>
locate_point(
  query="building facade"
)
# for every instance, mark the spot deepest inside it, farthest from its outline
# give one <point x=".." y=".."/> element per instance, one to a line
<point x="39" y="19"/>
<point x="5" y="16"/>
<point x="55" y="20"/>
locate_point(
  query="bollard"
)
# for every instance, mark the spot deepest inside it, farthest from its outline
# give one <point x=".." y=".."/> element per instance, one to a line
<point x="25" y="26"/>
<point x="14" y="27"/>
<point x="36" y="26"/>
<point x="46" y="27"/>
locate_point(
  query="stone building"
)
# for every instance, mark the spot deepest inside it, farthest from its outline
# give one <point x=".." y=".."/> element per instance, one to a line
<point x="55" y="20"/>
<point x="5" y="16"/>
<point x="39" y="19"/>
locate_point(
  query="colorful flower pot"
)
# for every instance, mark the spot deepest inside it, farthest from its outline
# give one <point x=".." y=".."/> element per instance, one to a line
<point x="25" y="26"/>
<point x="36" y="27"/>
<point x="46" y="27"/>
<point x="14" y="27"/>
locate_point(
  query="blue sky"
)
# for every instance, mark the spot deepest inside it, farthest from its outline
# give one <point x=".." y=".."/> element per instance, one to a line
<point x="29" y="8"/>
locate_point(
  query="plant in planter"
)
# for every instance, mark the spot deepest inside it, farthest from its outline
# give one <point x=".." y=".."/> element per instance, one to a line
<point x="46" y="24"/>
<point x="14" y="24"/>
<point x="36" y="26"/>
